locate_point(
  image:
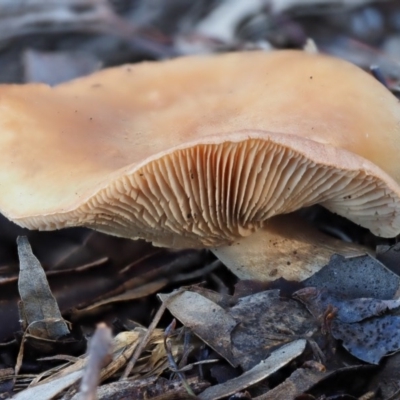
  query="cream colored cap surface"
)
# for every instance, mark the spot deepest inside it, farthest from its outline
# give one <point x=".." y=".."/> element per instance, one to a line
<point x="197" y="151"/>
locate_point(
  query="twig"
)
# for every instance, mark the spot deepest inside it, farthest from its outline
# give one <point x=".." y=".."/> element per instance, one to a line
<point x="171" y="360"/>
<point x="143" y="343"/>
<point x="99" y="355"/>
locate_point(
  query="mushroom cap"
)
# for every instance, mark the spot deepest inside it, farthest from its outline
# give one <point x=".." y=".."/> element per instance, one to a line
<point x="198" y="151"/>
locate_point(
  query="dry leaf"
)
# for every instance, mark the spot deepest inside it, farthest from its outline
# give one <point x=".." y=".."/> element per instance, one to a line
<point x="358" y="323"/>
<point x="41" y="315"/>
<point x="245" y="333"/>
<point x="362" y="276"/>
<point x="278" y="359"/>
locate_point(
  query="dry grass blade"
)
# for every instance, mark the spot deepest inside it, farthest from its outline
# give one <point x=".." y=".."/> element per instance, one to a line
<point x="124" y="345"/>
<point x="146" y="338"/>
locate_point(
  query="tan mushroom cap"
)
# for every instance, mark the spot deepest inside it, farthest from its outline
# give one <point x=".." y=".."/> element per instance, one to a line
<point x="199" y="151"/>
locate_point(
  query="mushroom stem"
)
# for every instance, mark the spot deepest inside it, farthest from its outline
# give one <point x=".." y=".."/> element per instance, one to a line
<point x="287" y="246"/>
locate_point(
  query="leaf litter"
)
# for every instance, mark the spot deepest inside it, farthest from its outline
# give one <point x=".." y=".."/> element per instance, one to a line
<point x="245" y="330"/>
<point x="51" y="332"/>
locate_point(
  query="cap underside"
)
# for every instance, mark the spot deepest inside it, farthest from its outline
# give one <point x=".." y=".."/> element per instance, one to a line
<point x="210" y="193"/>
<point x="133" y="150"/>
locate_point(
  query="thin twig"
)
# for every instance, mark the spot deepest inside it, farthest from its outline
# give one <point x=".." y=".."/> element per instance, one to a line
<point x="138" y="351"/>
<point x="173" y="366"/>
<point x="99" y="354"/>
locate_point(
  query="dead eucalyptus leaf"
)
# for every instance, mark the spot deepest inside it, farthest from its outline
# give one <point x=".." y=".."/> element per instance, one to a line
<point x="299" y="382"/>
<point x="245" y="333"/>
<point x="206" y="319"/>
<point x="278" y="359"/>
<point x="369" y="340"/>
<point x="358" y="323"/>
<point x="346" y="310"/>
<point x="362" y="276"/>
<point x="40" y="312"/>
<point x="265" y="321"/>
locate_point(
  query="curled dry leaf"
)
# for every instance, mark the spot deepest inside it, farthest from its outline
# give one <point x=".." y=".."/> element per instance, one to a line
<point x="40" y="313"/>
<point x="206" y="319"/>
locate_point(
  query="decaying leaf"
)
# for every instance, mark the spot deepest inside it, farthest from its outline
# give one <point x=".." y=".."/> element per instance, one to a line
<point x="362" y="276"/>
<point x="245" y="333"/>
<point x="358" y="323"/>
<point x="207" y="320"/>
<point x="40" y="313"/>
<point x="370" y="340"/>
<point x="347" y="310"/>
<point x="264" y="322"/>
<point x="265" y="368"/>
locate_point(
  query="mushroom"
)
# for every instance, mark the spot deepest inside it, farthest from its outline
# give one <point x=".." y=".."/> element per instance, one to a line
<point x="203" y="151"/>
